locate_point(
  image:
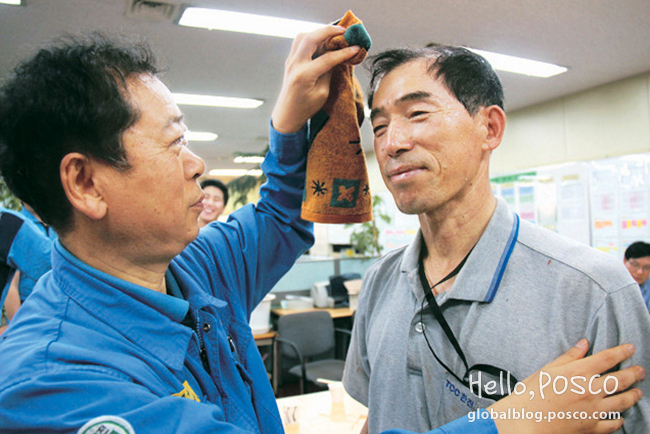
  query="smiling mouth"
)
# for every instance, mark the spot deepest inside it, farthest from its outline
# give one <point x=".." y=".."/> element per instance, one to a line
<point x="403" y="173"/>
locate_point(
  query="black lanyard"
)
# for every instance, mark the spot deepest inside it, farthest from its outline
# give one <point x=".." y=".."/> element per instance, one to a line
<point x="437" y="312"/>
<point x="435" y="309"/>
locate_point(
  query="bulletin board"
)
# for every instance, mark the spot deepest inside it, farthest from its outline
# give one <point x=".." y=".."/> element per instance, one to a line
<point x="402" y="229"/>
<point x="603" y="203"/>
<point x="620" y="202"/>
<point x="400" y="232"/>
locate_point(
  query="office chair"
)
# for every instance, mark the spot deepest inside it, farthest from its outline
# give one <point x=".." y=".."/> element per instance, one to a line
<point x="309" y="338"/>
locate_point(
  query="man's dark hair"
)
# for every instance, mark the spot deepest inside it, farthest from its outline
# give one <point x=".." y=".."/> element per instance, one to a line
<point x="467" y="75"/>
<point x="69" y="97"/>
<point x="638" y="249"/>
<point x="220" y="185"/>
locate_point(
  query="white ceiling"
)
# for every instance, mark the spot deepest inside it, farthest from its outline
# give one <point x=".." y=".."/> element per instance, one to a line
<point x="600" y="41"/>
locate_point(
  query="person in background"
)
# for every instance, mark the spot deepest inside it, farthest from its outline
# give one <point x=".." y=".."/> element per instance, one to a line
<point x="24" y="257"/>
<point x="214" y="202"/>
<point x="142" y="325"/>
<point x="637" y="261"/>
<point x="479" y="298"/>
<point x="30" y="215"/>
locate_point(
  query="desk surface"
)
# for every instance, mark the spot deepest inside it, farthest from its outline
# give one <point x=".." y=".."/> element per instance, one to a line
<point x="315" y="414"/>
<point x="264" y="336"/>
<point x="335" y="312"/>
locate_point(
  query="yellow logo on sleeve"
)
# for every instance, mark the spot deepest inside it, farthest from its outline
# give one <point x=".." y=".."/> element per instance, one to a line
<point x="187" y="392"/>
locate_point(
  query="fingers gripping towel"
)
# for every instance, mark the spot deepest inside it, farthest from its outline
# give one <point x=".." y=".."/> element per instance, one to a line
<point x="336" y="189"/>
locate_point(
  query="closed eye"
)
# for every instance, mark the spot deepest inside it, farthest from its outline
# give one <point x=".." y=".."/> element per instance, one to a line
<point x="181" y="140"/>
<point x="418" y="113"/>
<point x="377" y="129"/>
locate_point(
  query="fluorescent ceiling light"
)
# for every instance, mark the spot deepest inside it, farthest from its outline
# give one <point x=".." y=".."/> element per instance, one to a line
<point x="200" y="136"/>
<point x="11" y="2"/>
<point x="235" y="172"/>
<point x="216" y="101"/>
<point x="242" y="159"/>
<point x="245" y="23"/>
<point x="519" y="65"/>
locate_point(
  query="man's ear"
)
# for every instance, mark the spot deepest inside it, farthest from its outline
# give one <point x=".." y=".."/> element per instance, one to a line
<point x="78" y="173"/>
<point x="494" y="119"/>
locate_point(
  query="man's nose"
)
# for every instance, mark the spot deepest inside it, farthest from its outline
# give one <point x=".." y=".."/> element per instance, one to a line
<point x="398" y="139"/>
<point x="193" y="164"/>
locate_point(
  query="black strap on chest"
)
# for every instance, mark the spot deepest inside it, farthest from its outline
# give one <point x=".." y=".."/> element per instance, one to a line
<point x="433" y="305"/>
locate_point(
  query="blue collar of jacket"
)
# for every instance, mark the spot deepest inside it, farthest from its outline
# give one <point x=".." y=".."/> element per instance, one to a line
<point x="145" y="317"/>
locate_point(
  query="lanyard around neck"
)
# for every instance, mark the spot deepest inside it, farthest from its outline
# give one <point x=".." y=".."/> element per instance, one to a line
<point x="496" y="281"/>
<point x="433" y="305"/>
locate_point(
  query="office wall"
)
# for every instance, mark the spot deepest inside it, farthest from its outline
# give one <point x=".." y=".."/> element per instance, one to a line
<point x="604" y="122"/>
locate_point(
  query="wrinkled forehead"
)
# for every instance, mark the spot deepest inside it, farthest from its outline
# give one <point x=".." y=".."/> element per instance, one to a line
<point x="421" y="69"/>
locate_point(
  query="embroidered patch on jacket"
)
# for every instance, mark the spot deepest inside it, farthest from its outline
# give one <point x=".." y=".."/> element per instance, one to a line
<point x="107" y="425"/>
<point x="345" y="193"/>
<point x="187" y="392"/>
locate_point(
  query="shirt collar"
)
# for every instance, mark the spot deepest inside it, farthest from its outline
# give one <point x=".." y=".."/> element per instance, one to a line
<point x="478" y="279"/>
<point x="146" y="317"/>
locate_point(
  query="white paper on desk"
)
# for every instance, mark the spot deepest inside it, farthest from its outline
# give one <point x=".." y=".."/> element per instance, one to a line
<point x="353" y="286"/>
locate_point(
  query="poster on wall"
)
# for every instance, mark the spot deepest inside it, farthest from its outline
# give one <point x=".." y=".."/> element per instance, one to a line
<point x="620" y="202"/>
<point x="402" y="229"/>
<point x="519" y="192"/>
<point x="555" y="197"/>
<point x="546" y="201"/>
<point x="573" y="201"/>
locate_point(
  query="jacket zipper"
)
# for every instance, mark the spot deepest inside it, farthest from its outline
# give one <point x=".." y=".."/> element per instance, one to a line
<point x="202" y="352"/>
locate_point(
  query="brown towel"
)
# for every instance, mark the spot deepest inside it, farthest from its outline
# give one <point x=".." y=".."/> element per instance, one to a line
<point x="337" y="189"/>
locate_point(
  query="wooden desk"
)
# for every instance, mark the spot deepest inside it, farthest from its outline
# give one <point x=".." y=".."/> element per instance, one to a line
<point x="315" y="414"/>
<point x="268" y="339"/>
<point x="335" y="312"/>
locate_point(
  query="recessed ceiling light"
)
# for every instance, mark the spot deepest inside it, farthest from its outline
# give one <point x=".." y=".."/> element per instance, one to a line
<point x="216" y="101"/>
<point x="200" y="136"/>
<point x="519" y="65"/>
<point x="242" y="159"/>
<point x="245" y="23"/>
<point x="11" y="2"/>
<point x="235" y="172"/>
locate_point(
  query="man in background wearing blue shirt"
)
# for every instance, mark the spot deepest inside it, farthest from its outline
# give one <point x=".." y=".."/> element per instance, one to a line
<point x="637" y="261"/>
